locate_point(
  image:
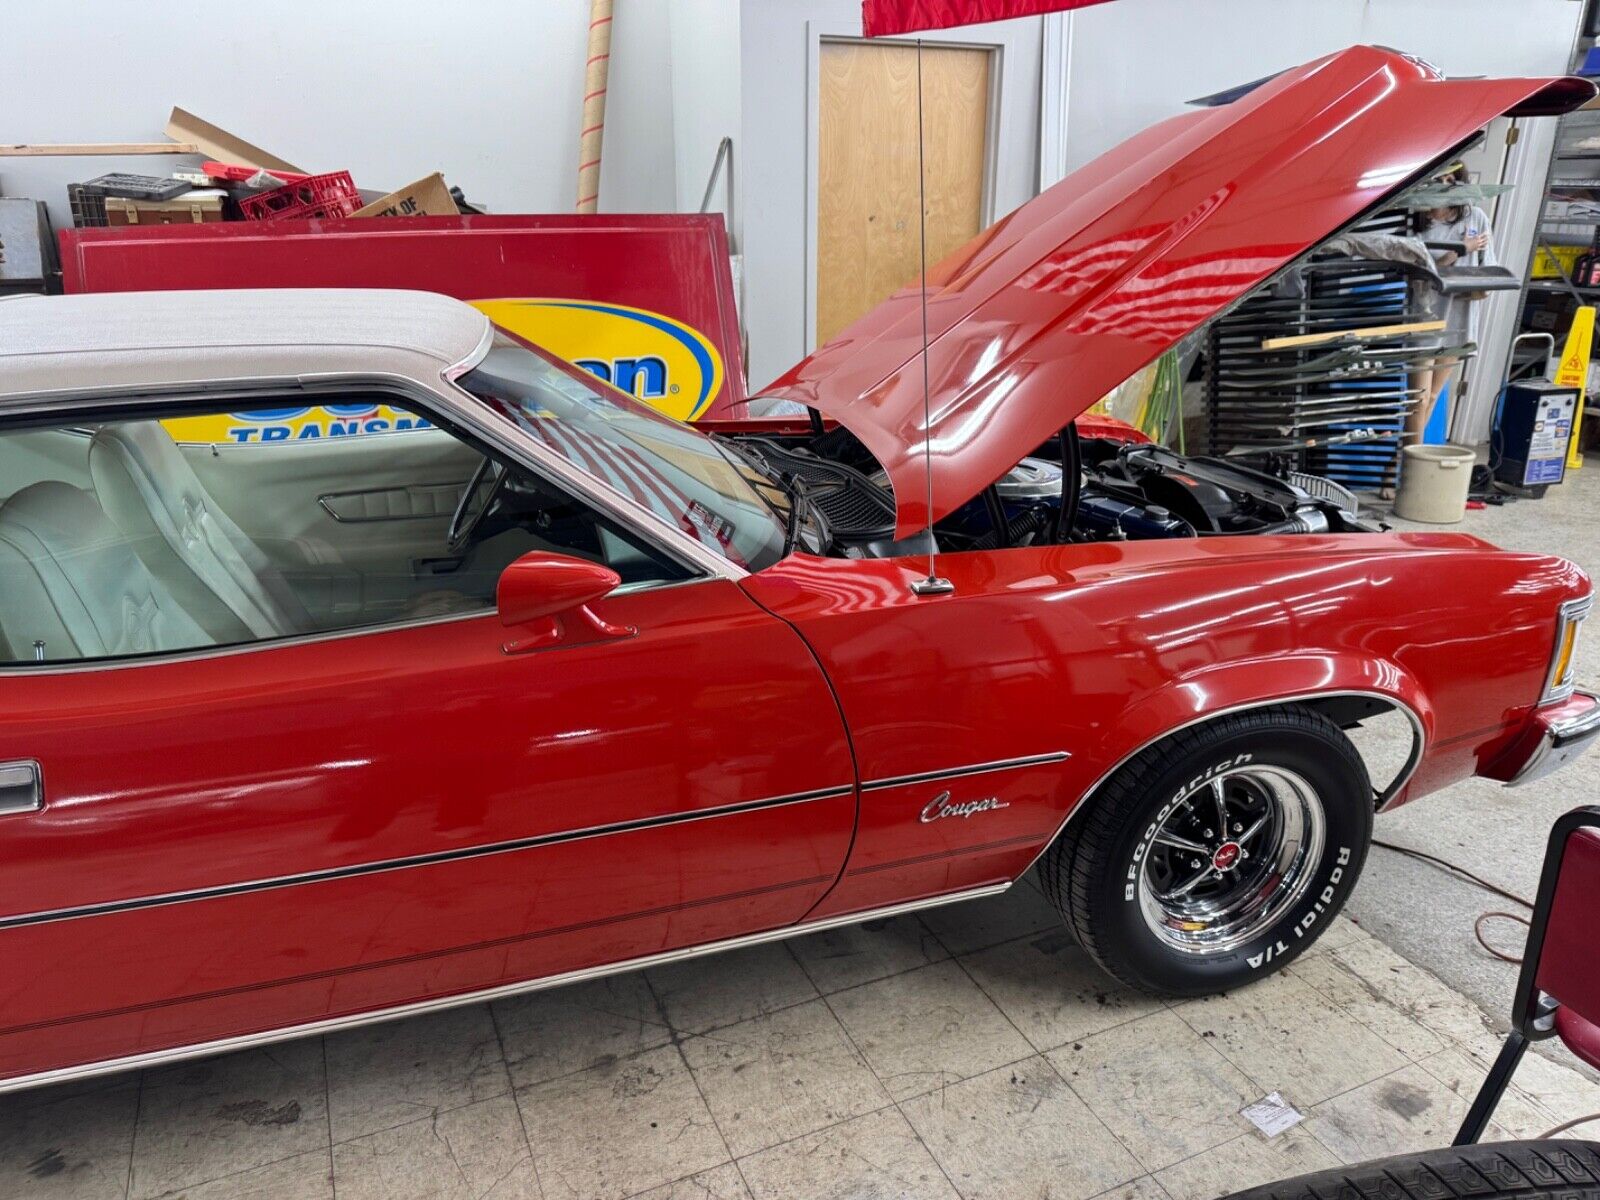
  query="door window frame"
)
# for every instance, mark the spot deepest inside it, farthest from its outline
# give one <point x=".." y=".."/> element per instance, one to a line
<point x="486" y="432"/>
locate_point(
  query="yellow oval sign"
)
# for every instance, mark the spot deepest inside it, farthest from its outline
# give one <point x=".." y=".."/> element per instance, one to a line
<point x="662" y="361"/>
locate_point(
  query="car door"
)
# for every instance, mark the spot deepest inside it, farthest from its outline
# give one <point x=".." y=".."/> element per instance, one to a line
<point x="203" y="839"/>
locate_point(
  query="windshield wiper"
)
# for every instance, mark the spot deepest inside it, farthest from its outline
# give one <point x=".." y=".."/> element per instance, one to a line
<point x="791" y="487"/>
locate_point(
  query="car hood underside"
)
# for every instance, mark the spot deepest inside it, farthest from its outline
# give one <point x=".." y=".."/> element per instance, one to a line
<point x="1050" y="308"/>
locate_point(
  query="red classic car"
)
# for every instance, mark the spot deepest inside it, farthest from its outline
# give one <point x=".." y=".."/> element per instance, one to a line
<point x="361" y="660"/>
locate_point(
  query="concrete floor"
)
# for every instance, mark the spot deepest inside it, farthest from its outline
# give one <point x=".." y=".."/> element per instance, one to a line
<point x="1498" y="833"/>
<point x="967" y="1052"/>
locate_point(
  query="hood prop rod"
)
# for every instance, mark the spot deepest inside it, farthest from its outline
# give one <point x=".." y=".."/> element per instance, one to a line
<point x="932" y="585"/>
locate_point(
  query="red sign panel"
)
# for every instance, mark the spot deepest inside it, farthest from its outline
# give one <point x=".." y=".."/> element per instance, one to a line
<point x="880" y="17"/>
<point x="645" y="302"/>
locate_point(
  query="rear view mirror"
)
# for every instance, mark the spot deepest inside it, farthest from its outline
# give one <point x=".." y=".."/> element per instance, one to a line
<point x="546" y="598"/>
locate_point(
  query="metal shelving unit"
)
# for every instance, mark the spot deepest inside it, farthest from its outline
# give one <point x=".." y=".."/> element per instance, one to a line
<point x="1573" y="177"/>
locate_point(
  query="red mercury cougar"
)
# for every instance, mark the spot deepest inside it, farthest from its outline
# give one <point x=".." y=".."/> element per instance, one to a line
<point x="492" y="678"/>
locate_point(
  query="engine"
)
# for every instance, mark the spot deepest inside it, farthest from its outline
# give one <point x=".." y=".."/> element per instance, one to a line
<point x="1175" y="495"/>
<point x="1137" y="492"/>
<point x="1125" y="492"/>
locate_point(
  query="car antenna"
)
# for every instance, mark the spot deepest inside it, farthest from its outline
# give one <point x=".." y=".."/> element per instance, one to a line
<point x="933" y="585"/>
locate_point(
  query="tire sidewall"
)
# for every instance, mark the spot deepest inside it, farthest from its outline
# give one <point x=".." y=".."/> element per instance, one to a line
<point x="1339" y="781"/>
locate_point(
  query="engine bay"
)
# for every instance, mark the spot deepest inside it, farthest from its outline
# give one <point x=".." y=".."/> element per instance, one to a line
<point x="1071" y="490"/>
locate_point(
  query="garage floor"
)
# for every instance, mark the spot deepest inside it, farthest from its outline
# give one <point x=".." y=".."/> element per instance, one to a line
<point x="973" y="1051"/>
<point x="1497" y="833"/>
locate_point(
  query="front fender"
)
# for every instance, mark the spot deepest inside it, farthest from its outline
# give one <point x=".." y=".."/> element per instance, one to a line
<point x="1223" y="688"/>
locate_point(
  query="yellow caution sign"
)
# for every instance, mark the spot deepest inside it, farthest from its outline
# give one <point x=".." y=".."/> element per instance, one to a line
<point x="1574" y="373"/>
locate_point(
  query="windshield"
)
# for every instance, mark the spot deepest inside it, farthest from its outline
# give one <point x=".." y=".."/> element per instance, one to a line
<point x="675" y="471"/>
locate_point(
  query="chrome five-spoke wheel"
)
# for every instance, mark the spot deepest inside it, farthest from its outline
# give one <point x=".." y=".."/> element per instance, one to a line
<point x="1234" y="853"/>
<point x="1218" y="854"/>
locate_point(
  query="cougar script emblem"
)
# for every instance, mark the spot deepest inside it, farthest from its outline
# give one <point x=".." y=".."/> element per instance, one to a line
<point x="940" y="806"/>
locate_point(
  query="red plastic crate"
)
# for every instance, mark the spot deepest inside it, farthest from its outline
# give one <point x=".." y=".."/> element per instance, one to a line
<point x="330" y="195"/>
<point x="238" y="172"/>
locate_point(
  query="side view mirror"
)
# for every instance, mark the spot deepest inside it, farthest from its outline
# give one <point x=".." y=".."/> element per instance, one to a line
<point x="546" y="598"/>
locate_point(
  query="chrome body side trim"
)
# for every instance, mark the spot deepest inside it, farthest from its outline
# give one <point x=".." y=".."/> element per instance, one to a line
<point x="1382" y="800"/>
<point x="1560" y="743"/>
<point x="434" y="858"/>
<point x="135" y="1062"/>
<point x="1390" y="794"/>
<point x="1003" y="764"/>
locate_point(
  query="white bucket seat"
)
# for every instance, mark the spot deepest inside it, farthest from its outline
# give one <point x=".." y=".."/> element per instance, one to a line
<point x="216" y="571"/>
<point x="71" y="585"/>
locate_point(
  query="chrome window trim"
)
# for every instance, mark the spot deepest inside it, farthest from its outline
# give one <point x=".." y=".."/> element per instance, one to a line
<point x="410" y="862"/>
<point x="478" y="354"/>
<point x="130" y="662"/>
<point x="227" y="391"/>
<point x="420" y="1007"/>
<point x="1383" y="800"/>
<point x="1572" y="612"/>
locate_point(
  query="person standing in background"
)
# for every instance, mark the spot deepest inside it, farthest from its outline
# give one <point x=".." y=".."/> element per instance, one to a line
<point x="1468" y="225"/>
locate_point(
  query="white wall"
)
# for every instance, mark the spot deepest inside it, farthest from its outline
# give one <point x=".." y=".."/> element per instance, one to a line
<point x="1135" y="62"/>
<point x="777" y="40"/>
<point x="488" y="91"/>
<point x="637" y="170"/>
<point x="705" y="92"/>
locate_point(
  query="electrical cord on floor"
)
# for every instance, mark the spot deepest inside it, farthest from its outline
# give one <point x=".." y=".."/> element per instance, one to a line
<point x="1566" y="1125"/>
<point x="1477" y="931"/>
<point x="1456" y="869"/>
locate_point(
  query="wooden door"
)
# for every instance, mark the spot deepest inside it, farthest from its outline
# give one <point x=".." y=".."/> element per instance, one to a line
<point x="867" y="237"/>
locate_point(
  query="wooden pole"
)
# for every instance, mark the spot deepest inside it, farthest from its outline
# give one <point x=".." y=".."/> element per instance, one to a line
<point x="596" y="74"/>
<point x="1340" y="335"/>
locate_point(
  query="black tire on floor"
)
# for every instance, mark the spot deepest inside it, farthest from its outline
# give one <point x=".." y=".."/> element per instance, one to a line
<point x="1089" y="873"/>
<point x="1550" y="1168"/>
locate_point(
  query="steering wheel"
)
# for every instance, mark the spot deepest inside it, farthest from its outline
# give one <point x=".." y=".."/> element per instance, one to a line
<point x="465" y="520"/>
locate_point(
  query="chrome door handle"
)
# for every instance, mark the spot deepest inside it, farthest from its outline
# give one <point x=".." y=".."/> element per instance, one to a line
<point x="21" y="787"/>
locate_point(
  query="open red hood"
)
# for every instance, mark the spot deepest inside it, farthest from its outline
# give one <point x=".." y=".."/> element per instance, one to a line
<point x="1050" y="308"/>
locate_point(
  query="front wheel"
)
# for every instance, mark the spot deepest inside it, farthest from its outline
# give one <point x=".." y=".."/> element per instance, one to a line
<point x="1217" y="855"/>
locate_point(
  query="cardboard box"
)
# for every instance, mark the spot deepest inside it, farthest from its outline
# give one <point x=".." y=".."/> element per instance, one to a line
<point x="427" y="197"/>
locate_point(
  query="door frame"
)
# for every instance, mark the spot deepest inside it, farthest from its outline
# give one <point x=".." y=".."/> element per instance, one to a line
<point x="819" y="32"/>
<point x="1055" y="97"/>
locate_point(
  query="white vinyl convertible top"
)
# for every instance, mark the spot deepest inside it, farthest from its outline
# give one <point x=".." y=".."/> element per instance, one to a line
<point x="97" y="338"/>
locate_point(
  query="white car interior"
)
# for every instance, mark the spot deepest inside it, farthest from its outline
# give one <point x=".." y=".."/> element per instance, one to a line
<point x="217" y="571"/>
<point x="116" y="540"/>
<point x="69" y="579"/>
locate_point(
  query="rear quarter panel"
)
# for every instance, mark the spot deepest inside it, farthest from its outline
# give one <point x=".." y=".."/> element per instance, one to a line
<point x="1096" y="650"/>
